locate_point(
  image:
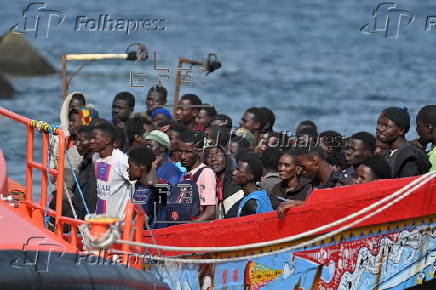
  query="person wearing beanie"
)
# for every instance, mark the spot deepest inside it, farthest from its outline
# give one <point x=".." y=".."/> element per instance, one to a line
<point x="159" y="115"/>
<point x="162" y="167"/>
<point x="405" y="158"/>
<point x="373" y="168"/>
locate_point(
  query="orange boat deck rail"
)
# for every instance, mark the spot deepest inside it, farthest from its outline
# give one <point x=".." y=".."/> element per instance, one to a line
<point x="34" y="210"/>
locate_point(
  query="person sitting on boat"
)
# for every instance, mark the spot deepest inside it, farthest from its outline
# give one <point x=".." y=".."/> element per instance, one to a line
<point x="123" y="106"/>
<point x="254" y="121"/>
<point x="174" y="133"/>
<point x="217" y="135"/>
<point x="113" y="185"/>
<point x="86" y="182"/>
<point x="205" y="114"/>
<point x="186" y="113"/>
<point x="426" y="129"/>
<point x="381" y="149"/>
<point x="332" y="143"/>
<point x="206" y="180"/>
<point x="359" y="146"/>
<point x="136" y="128"/>
<point x="246" y="175"/>
<point x="373" y="168"/>
<point x="270" y="161"/>
<point x="294" y="188"/>
<point x="405" y="158"/>
<point x="221" y="120"/>
<point x="159" y="143"/>
<point x="156" y="98"/>
<point x="160" y="115"/>
<point x="229" y="194"/>
<point x="314" y="166"/>
<point x="140" y="162"/>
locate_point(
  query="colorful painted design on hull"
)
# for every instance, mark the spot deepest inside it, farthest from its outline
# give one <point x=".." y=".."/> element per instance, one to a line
<point x="397" y="258"/>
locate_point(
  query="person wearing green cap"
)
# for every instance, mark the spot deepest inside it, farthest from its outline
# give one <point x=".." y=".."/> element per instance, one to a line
<point x="159" y="143"/>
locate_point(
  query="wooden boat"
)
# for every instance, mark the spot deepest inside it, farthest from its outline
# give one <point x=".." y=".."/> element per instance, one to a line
<point x="379" y="235"/>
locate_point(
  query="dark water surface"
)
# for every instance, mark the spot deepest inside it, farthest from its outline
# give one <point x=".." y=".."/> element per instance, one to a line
<point x="305" y="59"/>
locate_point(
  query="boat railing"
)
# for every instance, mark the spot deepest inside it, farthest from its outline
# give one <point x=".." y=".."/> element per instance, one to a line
<point x="38" y="212"/>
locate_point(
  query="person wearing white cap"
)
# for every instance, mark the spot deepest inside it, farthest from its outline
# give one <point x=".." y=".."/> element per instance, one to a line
<point x="159" y="143"/>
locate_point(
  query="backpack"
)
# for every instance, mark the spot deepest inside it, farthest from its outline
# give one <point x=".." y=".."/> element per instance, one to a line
<point x="181" y="203"/>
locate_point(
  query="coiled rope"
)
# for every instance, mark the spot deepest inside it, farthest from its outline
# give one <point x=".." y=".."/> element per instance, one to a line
<point x="398" y="195"/>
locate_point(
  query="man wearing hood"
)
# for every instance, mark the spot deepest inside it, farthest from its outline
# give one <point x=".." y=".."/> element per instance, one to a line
<point x="228" y="193"/>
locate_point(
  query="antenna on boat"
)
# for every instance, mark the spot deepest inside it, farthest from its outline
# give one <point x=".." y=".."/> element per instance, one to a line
<point x="140" y="54"/>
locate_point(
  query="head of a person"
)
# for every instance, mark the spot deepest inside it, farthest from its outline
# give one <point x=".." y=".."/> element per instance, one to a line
<point x="217" y="135"/>
<point x="120" y="138"/>
<point x="136" y="128"/>
<point x="74" y="121"/>
<point x="102" y="136"/>
<point x="87" y="115"/>
<point x="174" y="132"/>
<point x="221" y="120"/>
<point x="306" y="124"/>
<point x="216" y="158"/>
<point x="373" y="168"/>
<point x="238" y="144"/>
<point x="83" y="137"/>
<point x="189" y="148"/>
<point x="392" y="124"/>
<point x="426" y="124"/>
<point x="158" y="142"/>
<point x="248" y="170"/>
<point x="156" y="98"/>
<point x="140" y="162"/>
<point x="205" y="114"/>
<point x="331" y="141"/>
<point x="185" y="112"/>
<point x="270" y="119"/>
<point x="123" y="106"/>
<point x="253" y="120"/>
<point x="310" y="160"/>
<point x="288" y="166"/>
<point x="381" y="149"/>
<point x="160" y="115"/>
<point x="271" y="140"/>
<point x="306" y="137"/>
<point x="336" y="160"/>
<point x="270" y="159"/>
<point x="77" y="100"/>
<point x="359" y="146"/>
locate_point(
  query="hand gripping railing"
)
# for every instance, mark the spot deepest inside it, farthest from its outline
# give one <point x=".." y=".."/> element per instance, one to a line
<point x="35" y="211"/>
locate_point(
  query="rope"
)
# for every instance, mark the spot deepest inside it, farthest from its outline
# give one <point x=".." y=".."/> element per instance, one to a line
<point x="77" y="183"/>
<point x="420" y="181"/>
<point x="211" y="261"/>
<point x="45" y="127"/>
<point x="320" y="238"/>
<point x="111" y="235"/>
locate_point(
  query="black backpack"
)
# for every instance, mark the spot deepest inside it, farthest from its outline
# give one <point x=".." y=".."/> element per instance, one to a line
<point x="181" y="203"/>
